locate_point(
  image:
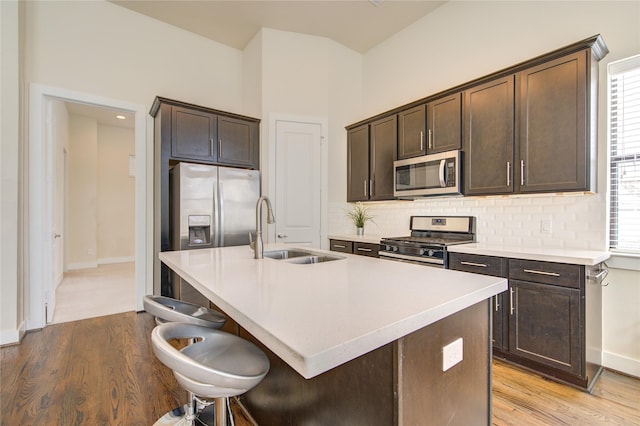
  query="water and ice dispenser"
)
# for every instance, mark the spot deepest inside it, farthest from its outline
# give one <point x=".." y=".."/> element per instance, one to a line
<point x="199" y="231"/>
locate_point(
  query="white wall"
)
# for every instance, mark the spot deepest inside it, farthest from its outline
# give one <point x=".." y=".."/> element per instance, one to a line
<point x="308" y="77"/>
<point x="461" y="41"/>
<point x="82" y="199"/>
<point x="116" y="195"/>
<point x="11" y="321"/>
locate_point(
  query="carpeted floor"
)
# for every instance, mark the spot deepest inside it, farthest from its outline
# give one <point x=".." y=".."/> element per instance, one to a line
<point x="89" y="293"/>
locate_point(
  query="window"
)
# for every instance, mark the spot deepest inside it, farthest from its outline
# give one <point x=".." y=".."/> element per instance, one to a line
<point x="624" y="136"/>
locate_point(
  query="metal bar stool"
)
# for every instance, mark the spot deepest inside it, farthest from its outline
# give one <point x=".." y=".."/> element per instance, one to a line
<point x="166" y="309"/>
<point x="217" y="366"/>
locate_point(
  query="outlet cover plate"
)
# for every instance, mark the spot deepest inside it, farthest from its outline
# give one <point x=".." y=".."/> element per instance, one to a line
<point x="452" y="354"/>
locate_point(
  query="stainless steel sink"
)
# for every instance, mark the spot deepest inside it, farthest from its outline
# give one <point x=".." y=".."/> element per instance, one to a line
<point x="285" y="254"/>
<point x="301" y="257"/>
<point x="306" y="260"/>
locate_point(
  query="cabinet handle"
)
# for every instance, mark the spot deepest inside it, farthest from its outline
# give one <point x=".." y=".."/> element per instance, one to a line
<point x="364" y="249"/>
<point x="479" y="265"/>
<point x="282" y="236"/>
<point x="521" y="172"/>
<point x="511" y="307"/>
<point x="365" y="188"/>
<point x="339" y="246"/>
<point x="508" y="173"/>
<point x="495" y="298"/>
<point x="212" y="146"/>
<point x="430" y="139"/>
<point x="371" y="188"/>
<point x="421" y="140"/>
<point x="550" y="274"/>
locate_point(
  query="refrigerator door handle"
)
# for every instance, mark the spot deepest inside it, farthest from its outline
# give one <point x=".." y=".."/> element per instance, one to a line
<point x="221" y="212"/>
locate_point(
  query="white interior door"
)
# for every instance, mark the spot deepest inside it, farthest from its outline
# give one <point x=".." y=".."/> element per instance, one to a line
<point x="298" y="183"/>
<point x="57" y="134"/>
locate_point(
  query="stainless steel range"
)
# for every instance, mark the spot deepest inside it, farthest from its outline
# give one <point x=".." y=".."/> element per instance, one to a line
<point x="429" y="239"/>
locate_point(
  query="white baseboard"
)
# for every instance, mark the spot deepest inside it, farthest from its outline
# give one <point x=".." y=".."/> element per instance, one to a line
<point x="116" y="260"/>
<point x="84" y="265"/>
<point x="10" y="337"/>
<point x="621" y="363"/>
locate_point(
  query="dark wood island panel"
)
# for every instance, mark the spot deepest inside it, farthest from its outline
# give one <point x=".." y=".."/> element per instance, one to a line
<point x="401" y="383"/>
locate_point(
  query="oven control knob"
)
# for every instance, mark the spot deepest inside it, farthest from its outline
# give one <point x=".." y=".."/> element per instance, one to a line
<point x="395" y="248"/>
<point x="426" y="252"/>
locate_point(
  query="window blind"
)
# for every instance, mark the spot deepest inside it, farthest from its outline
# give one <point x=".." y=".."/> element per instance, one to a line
<point x="624" y="136"/>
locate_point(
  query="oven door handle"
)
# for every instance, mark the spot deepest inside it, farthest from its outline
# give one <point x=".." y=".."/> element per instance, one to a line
<point x="412" y="259"/>
<point x="442" y="174"/>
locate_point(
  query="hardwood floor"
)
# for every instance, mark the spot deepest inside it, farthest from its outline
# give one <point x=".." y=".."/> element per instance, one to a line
<point x="102" y="371"/>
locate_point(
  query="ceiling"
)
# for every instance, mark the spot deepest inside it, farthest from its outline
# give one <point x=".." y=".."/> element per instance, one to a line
<point x="104" y="115"/>
<point x="356" y="24"/>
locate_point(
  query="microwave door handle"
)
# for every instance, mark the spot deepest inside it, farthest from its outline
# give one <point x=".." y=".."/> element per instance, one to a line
<point x="443" y="178"/>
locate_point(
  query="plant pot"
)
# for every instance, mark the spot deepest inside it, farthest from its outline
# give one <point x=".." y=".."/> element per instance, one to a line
<point x="359" y="231"/>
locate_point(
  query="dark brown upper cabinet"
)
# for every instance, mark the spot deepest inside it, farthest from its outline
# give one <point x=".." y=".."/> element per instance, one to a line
<point x="358" y="164"/>
<point x="411" y="132"/>
<point x="529" y="128"/>
<point x="444" y="124"/>
<point x="488" y="137"/>
<point x="237" y="142"/>
<point x="554" y="139"/>
<point x="384" y="134"/>
<point x="193" y="134"/>
<point x="371" y="152"/>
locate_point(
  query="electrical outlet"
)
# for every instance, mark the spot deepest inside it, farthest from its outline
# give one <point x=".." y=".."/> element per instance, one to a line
<point x="545" y="226"/>
<point x="90" y="251"/>
<point x="452" y="354"/>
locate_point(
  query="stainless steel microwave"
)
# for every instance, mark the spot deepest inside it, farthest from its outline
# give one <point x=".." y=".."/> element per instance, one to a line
<point x="434" y="174"/>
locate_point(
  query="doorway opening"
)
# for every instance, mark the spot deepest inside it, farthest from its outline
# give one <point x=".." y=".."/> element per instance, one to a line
<point x="87" y="200"/>
<point x="93" y="211"/>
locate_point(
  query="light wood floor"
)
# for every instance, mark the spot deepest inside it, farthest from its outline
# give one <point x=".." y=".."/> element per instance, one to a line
<point x="88" y="293"/>
<point x="101" y="371"/>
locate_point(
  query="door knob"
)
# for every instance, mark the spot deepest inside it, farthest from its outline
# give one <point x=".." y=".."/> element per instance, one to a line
<point x="56" y="235"/>
<point x="281" y="236"/>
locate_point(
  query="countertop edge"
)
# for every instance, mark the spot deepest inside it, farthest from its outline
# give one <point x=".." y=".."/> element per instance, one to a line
<point x="571" y="256"/>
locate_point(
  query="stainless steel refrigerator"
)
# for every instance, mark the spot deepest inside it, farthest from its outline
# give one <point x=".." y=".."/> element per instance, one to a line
<point x="210" y="207"/>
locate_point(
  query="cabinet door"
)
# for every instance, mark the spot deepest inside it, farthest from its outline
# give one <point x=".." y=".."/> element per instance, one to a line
<point x="193" y="134"/>
<point x="545" y="325"/>
<point x="358" y="164"/>
<point x="553" y="126"/>
<point x="237" y="142"/>
<point x="411" y="132"/>
<point x="384" y="137"/>
<point x="444" y="124"/>
<point x="488" y="138"/>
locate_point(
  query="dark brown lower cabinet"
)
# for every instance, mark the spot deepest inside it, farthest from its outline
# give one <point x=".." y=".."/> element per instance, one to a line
<point x="355" y="247"/>
<point x="550" y="319"/>
<point x="545" y="325"/>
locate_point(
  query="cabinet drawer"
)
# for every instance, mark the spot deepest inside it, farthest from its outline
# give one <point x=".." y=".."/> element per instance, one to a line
<point x="366" y="249"/>
<point x="485" y="265"/>
<point x="341" y="245"/>
<point x="561" y="274"/>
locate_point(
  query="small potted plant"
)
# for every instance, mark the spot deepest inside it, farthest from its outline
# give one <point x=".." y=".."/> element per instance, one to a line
<point x="360" y="215"/>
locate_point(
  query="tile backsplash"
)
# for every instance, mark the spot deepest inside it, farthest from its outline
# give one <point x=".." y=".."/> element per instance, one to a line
<point x="570" y="221"/>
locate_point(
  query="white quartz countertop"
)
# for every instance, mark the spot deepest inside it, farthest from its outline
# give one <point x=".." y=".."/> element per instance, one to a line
<point x="318" y="316"/>
<point x="572" y="256"/>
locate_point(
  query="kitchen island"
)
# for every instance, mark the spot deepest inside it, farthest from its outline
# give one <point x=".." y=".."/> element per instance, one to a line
<point x="355" y="340"/>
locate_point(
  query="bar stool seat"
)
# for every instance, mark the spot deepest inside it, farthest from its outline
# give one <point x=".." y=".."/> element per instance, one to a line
<point x="166" y="309"/>
<point x="217" y="366"/>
